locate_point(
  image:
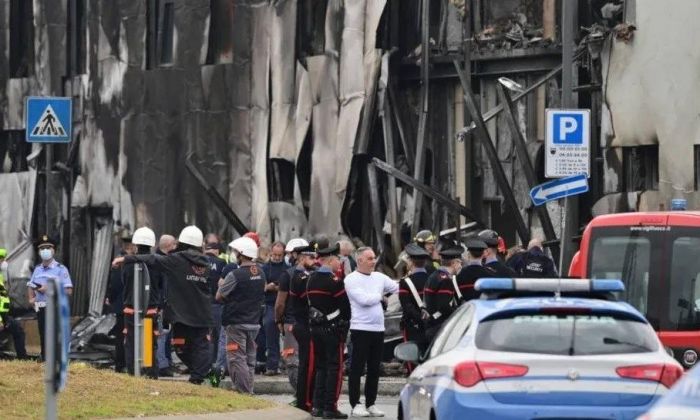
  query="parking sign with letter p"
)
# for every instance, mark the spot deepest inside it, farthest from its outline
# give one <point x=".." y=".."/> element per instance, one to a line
<point x="567" y="143"/>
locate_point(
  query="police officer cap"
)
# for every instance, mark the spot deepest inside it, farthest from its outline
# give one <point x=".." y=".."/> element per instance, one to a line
<point x="45" y="240"/>
<point x="451" y="251"/>
<point x="331" y="250"/>
<point x="305" y="250"/>
<point x="490" y="237"/>
<point x="416" y="251"/>
<point x="475" y="244"/>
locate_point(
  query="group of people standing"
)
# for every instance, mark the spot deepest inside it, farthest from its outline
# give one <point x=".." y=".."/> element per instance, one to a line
<point x="434" y="288"/>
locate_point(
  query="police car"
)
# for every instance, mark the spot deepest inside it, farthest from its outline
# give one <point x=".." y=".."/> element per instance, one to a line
<point x="681" y="402"/>
<point x="539" y="349"/>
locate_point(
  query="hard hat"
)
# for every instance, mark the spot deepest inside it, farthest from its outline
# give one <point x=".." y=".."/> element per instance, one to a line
<point x="245" y="246"/>
<point x="424" y="236"/>
<point x="295" y="243"/>
<point x="144" y="236"/>
<point x="254" y="236"/>
<point x="490" y="237"/>
<point x="3" y="253"/>
<point x="191" y="235"/>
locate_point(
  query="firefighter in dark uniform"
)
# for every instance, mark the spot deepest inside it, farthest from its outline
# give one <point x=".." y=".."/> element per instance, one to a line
<point x="292" y="314"/>
<point x="329" y="315"/>
<point x="439" y="291"/>
<point x="411" y="288"/>
<point x="472" y="271"/>
<point x="491" y="256"/>
<point x="188" y="299"/>
<point x="144" y="239"/>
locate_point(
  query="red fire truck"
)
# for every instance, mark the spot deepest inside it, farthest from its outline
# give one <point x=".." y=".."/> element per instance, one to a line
<point x="657" y="256"/>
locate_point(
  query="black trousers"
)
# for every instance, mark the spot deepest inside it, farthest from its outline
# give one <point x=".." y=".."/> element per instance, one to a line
<point x="307" y="367"/>
<point x="41" y="320"/>
<point x="192" y="347"/>
<point x="328" y="354"/>
<point x="414" y="332"/>
<point x="151" y="372"/>
<point x="367" y="350"/>
<point x="118" y="332"/>
<point x="14" y="328"/>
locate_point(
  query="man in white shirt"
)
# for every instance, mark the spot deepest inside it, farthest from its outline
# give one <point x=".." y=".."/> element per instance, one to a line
<point x="366" y="290"/>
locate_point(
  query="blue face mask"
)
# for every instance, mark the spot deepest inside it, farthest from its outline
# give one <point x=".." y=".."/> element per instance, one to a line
<point x="46" y="254"/>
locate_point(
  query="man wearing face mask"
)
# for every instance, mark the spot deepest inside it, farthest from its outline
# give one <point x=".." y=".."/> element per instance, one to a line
<point x="37" y="285"/>
<point x="439" y="290"/>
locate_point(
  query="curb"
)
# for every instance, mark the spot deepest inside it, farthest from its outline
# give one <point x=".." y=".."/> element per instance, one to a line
<point x="274" y="413"/>
<point x="388" y="386"/>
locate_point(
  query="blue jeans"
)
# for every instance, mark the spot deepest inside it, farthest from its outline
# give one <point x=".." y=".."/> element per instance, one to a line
<point x="272" y="338"/>
<point x="163" y="350"/>
<point x="221" y="363"/>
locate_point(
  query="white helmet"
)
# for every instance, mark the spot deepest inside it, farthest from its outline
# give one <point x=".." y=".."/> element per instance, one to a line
<point x="191" y="235"/>
<point x="294" y="244"/>
<point x="144" y="236"/>
<point x="245" y="246"/>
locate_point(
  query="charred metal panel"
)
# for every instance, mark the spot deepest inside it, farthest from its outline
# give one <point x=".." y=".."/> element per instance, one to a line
<point x="648" y="74"/>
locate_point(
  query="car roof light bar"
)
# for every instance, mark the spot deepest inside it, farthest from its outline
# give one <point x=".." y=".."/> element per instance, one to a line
<point x="505" y="284"/>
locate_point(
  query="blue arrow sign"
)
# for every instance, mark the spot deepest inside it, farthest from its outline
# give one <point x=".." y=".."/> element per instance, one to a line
<point x="559" y="188"/>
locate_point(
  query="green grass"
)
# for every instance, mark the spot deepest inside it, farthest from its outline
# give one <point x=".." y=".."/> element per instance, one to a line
<point x="95" y="393"/>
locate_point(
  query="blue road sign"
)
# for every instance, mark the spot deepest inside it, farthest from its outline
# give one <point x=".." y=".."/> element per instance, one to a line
<point x="48" y="119"/>
<point x="567" y="142"/>
<point x="559" y="188"/>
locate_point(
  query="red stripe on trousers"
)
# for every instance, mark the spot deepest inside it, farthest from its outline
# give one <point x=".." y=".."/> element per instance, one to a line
<point x="310" y="375"/>
<point x="409" y="365"/>
<point x="339" y="381"/>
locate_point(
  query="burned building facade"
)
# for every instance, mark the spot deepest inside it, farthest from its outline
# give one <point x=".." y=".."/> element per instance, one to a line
<point x="365" y="118"/>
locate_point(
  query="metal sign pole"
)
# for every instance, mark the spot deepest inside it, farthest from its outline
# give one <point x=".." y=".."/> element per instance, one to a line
<point x="138" y="326"/>
<point x="49" y="164"/>
<point x="50" y="350"/>
<point x="562" y="234"/>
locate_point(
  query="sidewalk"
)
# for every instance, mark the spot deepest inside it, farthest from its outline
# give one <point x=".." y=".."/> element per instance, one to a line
<point x="276" y="385"/>
<point x="275" y="413"/>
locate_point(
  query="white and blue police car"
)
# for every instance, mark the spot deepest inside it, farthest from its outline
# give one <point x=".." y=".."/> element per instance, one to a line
<point x="681" y="402"/>
<point x="539" y="349"/>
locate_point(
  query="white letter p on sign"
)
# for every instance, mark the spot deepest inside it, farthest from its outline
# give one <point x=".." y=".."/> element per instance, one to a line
<point x="567" y="125"/>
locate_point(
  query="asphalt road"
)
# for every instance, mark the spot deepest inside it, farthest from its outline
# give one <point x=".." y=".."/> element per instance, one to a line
<point x="385" y="403"/>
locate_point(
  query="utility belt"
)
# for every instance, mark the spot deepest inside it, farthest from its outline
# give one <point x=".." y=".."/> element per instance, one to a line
<point x="332" y="321"/>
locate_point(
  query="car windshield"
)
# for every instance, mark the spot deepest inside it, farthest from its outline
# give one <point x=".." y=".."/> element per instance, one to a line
<point x="660" y="268"/>
<point x="566" y="334"/>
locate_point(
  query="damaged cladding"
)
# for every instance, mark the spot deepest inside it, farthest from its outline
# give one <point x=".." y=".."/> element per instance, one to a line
<point x="276" y="102"/>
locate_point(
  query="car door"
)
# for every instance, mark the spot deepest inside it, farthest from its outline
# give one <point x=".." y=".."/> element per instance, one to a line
<point x="435" y="373"/>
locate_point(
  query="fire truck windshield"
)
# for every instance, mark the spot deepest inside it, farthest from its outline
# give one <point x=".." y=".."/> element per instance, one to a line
<point x="660" y="266"/>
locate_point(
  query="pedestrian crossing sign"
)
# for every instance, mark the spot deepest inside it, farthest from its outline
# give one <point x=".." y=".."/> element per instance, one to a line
<point x="48" y="119"/>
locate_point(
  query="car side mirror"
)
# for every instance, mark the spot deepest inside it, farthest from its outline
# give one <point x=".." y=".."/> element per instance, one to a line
<point x="407" y="352"/>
